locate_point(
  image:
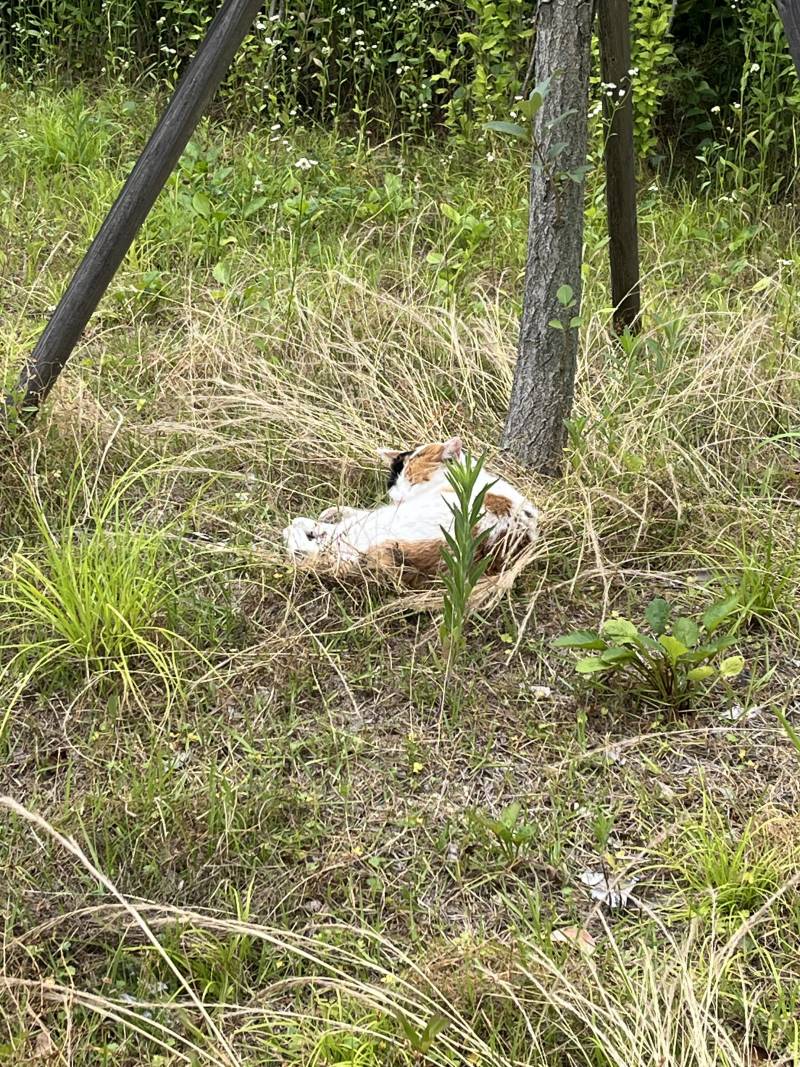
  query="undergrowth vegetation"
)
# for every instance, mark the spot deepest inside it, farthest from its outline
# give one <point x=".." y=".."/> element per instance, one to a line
<point x="254" y="832"/>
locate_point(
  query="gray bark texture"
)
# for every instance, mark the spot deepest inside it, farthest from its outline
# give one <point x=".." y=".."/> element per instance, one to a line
<point x="544" y="379"/>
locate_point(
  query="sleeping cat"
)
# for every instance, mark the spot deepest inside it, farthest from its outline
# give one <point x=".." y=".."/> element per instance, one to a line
<point x="408" y="532"/>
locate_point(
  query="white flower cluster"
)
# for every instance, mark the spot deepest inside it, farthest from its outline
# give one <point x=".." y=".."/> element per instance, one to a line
<point x="305" y="164"/>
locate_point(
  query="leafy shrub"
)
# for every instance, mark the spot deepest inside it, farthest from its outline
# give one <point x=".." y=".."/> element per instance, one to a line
<point x="667" y="665"/>
<point x="418" y="64"/>
<point x="652" y="57"/>
<point x="415" y="63"/>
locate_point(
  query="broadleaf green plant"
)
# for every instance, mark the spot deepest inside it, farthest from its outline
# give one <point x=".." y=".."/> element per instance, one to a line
<point x="422" y="1041"/>
<point x="666" y="665"/>
<point x="511" y="834"/>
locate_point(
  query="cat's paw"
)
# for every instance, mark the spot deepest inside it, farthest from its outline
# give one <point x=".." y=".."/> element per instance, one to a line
<point x="302" y="537"/>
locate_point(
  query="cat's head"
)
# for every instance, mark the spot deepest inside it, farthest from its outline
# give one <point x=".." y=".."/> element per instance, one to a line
<point x="419" y="467"/>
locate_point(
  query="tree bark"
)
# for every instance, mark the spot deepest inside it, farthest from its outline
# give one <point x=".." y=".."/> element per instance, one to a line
<point x="620" y="159"/>
<point x="544" y="380"/>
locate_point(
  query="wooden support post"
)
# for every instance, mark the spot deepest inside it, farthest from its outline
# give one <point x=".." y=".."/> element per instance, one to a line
<point x="114" y="238"/>
<point x="615" y="62"/>
<point x="789" y="11"/>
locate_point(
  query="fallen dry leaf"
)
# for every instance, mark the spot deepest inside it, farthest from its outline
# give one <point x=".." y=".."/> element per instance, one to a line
<point x="43" y="1047"/>
<point x="575" y="935"/>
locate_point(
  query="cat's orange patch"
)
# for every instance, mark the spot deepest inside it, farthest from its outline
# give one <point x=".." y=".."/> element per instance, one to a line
<point x="422" y="557"/>
<point x="497" y="504"/>
<point x="423" y="466"/>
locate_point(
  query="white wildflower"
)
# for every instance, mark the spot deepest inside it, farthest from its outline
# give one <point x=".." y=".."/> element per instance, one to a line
<point x="305" y="164"/>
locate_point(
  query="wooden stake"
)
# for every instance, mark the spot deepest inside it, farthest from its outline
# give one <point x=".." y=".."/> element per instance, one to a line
<point x="131" y="207"/>
<point x="615" y="63"/>
<point x="789" y="11"/>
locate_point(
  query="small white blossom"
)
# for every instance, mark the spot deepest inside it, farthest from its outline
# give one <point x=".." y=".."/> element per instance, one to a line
<point x="736" y="105"/>
<point x="305" y="164"/>
<point x="754" y="68"/>
<point x="632" y="73"/>
<point x="715" y="109"/>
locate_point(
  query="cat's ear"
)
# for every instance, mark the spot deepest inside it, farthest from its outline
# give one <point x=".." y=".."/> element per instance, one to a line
<point x="389" y="455"/>
<point x="453" y="448"/>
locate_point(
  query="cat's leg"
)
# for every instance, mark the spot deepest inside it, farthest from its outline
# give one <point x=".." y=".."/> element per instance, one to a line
<point x="339" y="514"/>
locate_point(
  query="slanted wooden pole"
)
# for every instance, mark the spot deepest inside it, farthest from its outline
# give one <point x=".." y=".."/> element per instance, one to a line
<point x="114" y="238"/>
<point x="615" y="63"/>
<point x="789" y="11"/>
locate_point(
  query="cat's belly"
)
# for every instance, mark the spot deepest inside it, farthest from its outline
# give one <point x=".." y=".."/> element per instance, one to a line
<point x="390" y="524"/>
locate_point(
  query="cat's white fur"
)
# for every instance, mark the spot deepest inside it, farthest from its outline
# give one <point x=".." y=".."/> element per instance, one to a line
<point x="417" y="513"/>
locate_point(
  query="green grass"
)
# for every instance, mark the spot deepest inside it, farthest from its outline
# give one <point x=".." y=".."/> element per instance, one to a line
<point x="250" y="759"/>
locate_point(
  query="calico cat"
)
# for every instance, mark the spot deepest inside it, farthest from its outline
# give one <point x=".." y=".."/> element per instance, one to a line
<point x="407" y="533"/>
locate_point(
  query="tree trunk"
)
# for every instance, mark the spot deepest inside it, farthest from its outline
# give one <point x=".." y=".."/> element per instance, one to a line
<point x="544" y="380"/>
